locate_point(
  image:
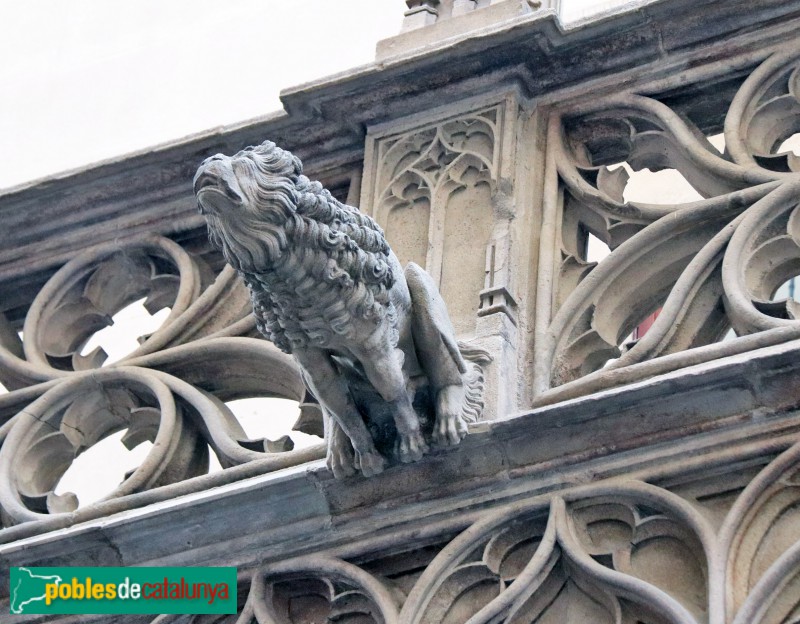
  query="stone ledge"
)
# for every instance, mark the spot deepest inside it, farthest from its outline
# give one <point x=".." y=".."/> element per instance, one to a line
<point x="712" y="414"/>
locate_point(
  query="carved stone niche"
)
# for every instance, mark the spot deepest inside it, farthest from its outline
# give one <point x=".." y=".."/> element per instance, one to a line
<point x="442" y="188"/>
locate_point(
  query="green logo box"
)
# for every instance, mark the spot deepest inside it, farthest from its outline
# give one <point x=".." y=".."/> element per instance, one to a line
<point x="152" y="591"/>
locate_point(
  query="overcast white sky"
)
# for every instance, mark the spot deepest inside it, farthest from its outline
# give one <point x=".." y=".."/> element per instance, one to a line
<point x="86" y="80"/>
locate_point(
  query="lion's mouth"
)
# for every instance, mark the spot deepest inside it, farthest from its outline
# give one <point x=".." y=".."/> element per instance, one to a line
<point x="215" y="194"/>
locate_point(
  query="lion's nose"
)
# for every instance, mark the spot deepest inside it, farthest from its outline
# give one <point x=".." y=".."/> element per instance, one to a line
<point x="216" y="157"/>
<point x="213" y="159"/>
<point x="210" y="171"/>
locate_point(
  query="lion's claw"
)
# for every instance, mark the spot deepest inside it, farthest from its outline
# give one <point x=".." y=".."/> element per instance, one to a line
<point x="341" y="463"/>
<point x="348" y="462"/>
<point x="411" y="446"/>
<point x="341" y="459"/>
<point x="449" y="430"/>
<point x="450" y="427"/>
<point x="340" y="467"/>
<point x="371" y="463"/>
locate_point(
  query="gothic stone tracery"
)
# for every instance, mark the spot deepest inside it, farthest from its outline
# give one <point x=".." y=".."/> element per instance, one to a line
<point x="658" y="479"/>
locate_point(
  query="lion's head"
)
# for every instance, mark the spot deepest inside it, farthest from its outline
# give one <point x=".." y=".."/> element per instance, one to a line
<point x="247" y="199"/>
<point x="286" y="233"/>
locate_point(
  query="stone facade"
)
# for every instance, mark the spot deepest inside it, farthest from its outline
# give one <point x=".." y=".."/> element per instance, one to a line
<point x="611" y="480"/>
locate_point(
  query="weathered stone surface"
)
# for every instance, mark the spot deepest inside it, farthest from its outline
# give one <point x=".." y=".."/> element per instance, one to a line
<point x="634" y="469"/>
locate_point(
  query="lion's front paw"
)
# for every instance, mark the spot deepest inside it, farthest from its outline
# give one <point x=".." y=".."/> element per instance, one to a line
<point x="341" y="464"/>
<point x="370" y="463"/>
<point x="341" y="459"/>
<point x="411" y="446"/>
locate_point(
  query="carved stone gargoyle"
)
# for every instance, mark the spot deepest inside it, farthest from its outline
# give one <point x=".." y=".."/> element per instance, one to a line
<point x="374" y="342"/>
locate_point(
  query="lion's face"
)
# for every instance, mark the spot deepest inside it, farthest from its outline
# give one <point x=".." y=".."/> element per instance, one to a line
<point x="217" y="187"/>
<point x="246" y="200"/>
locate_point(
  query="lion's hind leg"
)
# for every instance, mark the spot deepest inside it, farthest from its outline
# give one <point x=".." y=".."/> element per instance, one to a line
<point x="439" y="356"/>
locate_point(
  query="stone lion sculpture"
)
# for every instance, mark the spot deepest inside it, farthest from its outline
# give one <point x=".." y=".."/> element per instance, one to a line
<point x="373" y="341"/>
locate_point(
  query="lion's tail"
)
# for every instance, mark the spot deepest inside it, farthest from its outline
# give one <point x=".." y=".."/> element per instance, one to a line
<point x="476" y="360"/>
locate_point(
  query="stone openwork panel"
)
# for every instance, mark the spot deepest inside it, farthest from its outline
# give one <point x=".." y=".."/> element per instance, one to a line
<point x="708" y="266"/>
<point x="170" y="390"/>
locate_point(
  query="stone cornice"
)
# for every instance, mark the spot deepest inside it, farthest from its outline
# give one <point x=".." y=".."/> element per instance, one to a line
<point x="702" y="418"/>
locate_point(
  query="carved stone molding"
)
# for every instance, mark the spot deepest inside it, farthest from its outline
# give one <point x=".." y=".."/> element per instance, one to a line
<point x="721" y="550"/>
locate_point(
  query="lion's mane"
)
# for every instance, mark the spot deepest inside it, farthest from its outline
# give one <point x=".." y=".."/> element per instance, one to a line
<point x="312" y="264"/>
